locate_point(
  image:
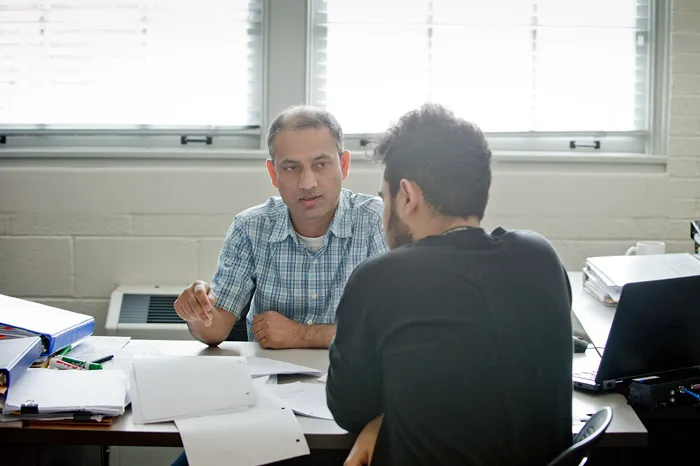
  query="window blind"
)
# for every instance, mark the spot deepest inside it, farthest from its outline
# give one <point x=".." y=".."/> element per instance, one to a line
<point x="508" y="65"/>
<point x="130" y="64"/>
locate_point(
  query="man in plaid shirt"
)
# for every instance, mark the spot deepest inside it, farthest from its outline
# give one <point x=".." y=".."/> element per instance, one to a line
<point x="293" y="254"/>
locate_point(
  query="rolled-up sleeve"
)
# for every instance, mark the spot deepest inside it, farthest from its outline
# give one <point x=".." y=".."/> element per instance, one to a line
<point x="354" y="386"/>
<point x="234" y="281"/>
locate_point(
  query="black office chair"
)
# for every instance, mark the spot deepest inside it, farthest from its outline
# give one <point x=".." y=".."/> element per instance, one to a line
<point x="587" y="438"/>
<point x="239" y="332"/>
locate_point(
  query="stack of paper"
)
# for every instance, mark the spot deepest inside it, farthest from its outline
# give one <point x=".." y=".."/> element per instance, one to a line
<point x="45" y="392"/>
<point x="166" y="388"/>
<point x="222" y="416"/>
<point x="604" y="277"/>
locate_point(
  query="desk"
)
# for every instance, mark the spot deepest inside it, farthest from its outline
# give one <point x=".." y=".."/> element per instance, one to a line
<point x="320" y="433"/>
<point x="625" y="430"/>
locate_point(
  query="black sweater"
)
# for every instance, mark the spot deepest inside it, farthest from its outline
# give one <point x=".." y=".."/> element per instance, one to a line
<point x="463" y="341"/>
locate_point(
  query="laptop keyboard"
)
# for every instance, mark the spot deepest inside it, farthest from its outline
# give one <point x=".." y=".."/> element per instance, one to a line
<point x="587" y="375"/>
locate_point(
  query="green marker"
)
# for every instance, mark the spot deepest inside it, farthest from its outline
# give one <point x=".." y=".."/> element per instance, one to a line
<point x="65" y="350"/>
<point x="91" y="366"/>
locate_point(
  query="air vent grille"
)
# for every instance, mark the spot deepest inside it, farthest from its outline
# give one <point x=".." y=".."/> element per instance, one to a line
<point x="162" y="311"/>
<point x="148" y="309"/>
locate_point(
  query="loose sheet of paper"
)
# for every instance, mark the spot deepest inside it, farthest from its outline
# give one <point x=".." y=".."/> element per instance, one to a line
<point x="262" y="434"/>
<point x="307" y="399"/>
<point x="165" y="388"/>
<point x="323" y="378"/>
<point x="96" y="347"/>
<point x="264" y="366"/>
<point x="124" y="361"/>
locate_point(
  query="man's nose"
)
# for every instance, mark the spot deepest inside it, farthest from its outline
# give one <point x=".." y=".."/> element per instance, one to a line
<point x="308" y="180"/>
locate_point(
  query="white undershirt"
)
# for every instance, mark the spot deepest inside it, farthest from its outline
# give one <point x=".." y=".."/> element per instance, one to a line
<point x="312" y="243"/>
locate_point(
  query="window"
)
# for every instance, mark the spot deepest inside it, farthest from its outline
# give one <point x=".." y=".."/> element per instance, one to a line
<point x="555" y="69"/>
<point x="130" y="64"/>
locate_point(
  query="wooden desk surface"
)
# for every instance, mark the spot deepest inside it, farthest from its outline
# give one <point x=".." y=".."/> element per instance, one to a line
<point x="625" y="430"/>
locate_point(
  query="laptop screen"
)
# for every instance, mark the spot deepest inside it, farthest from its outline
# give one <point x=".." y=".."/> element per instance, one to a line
<point x="656" y="329"/>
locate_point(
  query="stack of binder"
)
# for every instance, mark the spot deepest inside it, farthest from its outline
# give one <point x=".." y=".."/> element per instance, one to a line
<point x="57" y="328"/>
<point x="604" y="277"/>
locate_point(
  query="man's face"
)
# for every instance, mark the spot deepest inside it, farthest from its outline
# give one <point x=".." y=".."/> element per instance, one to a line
<point x="308" y="172"/>
<point x="397" y="233"/>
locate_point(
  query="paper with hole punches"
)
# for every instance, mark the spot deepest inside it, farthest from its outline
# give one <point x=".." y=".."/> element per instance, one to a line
<point x="263" y="434"/>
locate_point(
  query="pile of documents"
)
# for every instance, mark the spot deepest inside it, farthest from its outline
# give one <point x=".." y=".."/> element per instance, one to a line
<point x="52" y="394"/>
<point x="223" y="416"/>
<point x="604" y="277"/>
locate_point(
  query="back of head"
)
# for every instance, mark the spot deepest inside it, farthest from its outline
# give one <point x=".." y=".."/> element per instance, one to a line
<point x="446" y="156"/>
<point x="304" y="117"/>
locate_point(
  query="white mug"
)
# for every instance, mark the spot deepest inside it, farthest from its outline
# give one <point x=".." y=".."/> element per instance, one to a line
<point x="645" y="248"/>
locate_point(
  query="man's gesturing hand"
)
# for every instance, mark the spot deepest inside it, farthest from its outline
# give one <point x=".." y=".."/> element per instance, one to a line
<point x="273" y="330"/>
<point x="196" y="303"/>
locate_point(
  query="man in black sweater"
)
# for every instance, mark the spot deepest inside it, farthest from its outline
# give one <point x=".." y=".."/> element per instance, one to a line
<point x="455" y="347"/>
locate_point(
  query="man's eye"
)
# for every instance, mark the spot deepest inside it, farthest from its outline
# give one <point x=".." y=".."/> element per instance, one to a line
<point x="322" y="164"/>
<point x="290" y="168"/>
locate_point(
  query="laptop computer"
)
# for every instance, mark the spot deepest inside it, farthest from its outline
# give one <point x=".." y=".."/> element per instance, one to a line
<point x="655" y="329"/>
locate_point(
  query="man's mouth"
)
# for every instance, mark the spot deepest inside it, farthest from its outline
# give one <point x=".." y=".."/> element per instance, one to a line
<point x="310" y="200"/>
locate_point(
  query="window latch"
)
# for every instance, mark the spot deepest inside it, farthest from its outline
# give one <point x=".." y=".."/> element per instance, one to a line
<point x="184" y="140"/>
<point x="575" y="145"/>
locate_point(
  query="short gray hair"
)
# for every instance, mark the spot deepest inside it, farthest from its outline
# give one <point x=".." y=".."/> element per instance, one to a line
<point x="304" y="117"/>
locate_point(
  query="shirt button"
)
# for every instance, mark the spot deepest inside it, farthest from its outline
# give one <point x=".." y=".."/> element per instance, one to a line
<point x="315" y="261"/>
<point x="314" y="296"/>
<point x="309" y="321"/>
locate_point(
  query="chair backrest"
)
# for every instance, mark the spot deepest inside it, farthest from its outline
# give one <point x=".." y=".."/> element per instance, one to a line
<point x="587" y="438"/>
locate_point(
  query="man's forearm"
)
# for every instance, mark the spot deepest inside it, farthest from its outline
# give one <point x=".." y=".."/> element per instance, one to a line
<point x="218" y="331"/>
<point x="316" y="336"/>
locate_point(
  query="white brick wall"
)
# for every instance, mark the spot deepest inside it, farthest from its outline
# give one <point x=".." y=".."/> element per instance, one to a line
<point x="69" y="234"/>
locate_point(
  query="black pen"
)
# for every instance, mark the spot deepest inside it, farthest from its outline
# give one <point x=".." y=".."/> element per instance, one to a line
<point x="105" y="359"/>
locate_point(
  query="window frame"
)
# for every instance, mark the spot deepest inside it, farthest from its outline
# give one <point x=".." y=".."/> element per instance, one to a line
<point x="286" y="81"/>
<point x="650" y="142"/>
<point x="32" y="137"/>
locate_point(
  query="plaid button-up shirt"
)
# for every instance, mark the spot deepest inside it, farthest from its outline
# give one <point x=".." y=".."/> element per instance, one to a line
<point x="263" y="257"/>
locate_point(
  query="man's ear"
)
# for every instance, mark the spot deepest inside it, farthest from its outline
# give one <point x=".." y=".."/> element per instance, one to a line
<point x="345" y="163"/>
<point x="409" y="196"/>
<point x="273" y="173"/>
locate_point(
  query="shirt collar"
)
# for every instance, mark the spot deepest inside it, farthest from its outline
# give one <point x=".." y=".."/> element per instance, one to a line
<point x="341" y="225"/>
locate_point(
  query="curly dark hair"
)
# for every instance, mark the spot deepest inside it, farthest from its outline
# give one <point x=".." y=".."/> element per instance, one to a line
<point x="446" y="156"/>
